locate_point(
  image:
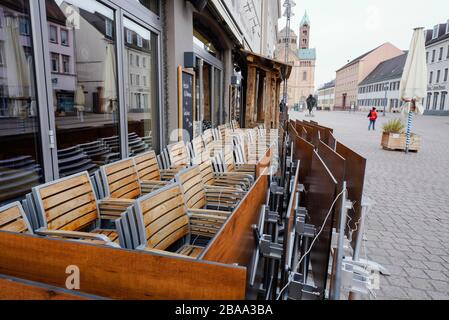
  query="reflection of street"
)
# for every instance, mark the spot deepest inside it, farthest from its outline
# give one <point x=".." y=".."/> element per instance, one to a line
<point x="17" y="126"/>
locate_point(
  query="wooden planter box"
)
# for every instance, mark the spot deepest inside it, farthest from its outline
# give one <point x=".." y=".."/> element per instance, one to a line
<point x="397" y="141"/>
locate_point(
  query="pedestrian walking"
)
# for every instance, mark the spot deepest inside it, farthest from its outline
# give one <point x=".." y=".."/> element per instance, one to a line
<point x="311" y="103"/>
<point x="372" y="119"/>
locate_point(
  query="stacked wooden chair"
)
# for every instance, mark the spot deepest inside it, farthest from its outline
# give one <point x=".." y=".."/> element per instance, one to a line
<point x="222" y="179"/>
<point x="164" y="225"/>
<point x="201" y="198"/>
<point x="14" y="219"/>
<point x="68" y="208"/>
<point x="151" y="177"/>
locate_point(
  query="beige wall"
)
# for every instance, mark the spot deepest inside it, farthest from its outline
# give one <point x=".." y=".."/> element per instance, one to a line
<point x="348" y="79"/>
<point x="298" y="88"/>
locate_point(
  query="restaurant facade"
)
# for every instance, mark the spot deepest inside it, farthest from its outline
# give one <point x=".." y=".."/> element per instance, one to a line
<point x="86" y="83"/>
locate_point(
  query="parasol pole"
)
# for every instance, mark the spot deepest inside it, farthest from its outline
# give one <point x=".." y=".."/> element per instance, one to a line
<point x="409" y="125"/>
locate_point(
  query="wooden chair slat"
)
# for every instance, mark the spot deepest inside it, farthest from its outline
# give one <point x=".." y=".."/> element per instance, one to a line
<point x="155" y="213"/>
<point x="172" y="233"/>
<point x="69" y="221"/>
<point x="66" y="195"/>
<point x="66" y="207"/>
<point x="9" y="215"/>
<point x="61" y="187"/>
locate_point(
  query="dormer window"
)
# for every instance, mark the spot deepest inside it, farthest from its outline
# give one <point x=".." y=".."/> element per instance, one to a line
<point x="435" y="32"/>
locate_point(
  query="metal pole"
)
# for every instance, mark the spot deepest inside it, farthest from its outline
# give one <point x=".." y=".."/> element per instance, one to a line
<point x="409" y="126"/>
<point x="335" y="294"/>
<point x="386" y="100"/>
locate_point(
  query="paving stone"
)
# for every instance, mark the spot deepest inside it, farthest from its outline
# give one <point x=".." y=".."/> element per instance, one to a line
<point x="441" y="286"/>
<point x="423" y="284"/>
<point x="436" y="275"/>
<point x="438" y="295"/>
<point x="416" y="294"/>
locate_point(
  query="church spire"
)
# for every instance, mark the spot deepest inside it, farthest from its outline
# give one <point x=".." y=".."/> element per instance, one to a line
<point x="305" y="20"/>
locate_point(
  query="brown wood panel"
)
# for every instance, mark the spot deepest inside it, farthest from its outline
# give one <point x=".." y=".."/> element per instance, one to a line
<point x="337" y="166"/>
<point x="303" y="152"/>
<point x="117" y="273"/>
<point x="18" y="289"/>
<point x="235" y="242"/>
<point x="264" y="163"/>
<point x="355" y="180"/>
<point x="321" y="195"/>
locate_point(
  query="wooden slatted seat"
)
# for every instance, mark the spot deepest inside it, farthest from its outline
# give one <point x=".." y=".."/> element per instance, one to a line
<point x="68" y="208"/>
<point x="150" y="175"/>
<point x="198" y="146"/>
<point x="222" y="179"/>
<point x="198" y="196"/>
<point x="179" y="156"/>
<point x="13" y="219"/>
<point x="163" y="220"/>
<point x="230" y="165"/>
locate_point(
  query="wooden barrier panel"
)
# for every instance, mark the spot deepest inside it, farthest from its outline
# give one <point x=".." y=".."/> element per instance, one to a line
<point x="321" y="195"/>
<point x="19" y="289"/>
<point x="235" y="242"/>
<point x="117" y="273"/>
<point x="337" y="166"/>
<point x="265" y="163"/>
<point x="355" y="179"/>
<point x="303" y="152"/>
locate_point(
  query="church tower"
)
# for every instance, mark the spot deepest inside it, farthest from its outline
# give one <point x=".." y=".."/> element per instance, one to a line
<point x="304" y="32"/>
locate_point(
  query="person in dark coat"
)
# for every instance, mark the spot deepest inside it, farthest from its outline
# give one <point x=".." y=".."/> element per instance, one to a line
<point x="311" y="103"/>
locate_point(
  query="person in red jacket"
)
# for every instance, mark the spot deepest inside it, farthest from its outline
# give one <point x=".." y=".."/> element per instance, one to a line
<point x="372" y="119"/>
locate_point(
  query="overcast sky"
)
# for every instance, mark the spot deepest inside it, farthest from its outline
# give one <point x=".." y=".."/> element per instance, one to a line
<point x="342" y="30"/>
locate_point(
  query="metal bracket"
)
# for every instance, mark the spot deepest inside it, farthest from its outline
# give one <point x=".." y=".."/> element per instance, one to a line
<point x="267" y="247"/>
<point x="301" y="227"/>
<point x="276" y="190"/>
<point x="271" y="216"/>
<point x="298" y="290"/>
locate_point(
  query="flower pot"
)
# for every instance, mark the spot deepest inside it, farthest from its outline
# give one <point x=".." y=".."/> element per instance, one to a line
<point x="397" y="141"/>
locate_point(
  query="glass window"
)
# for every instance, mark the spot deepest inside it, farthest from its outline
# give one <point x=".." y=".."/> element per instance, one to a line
<point x="64" y="37"/>
<point x="443" y="100"/>
<point x="431" y="77"/>
<point x="25" y="29"/>
<point x="109" y="28"/>
<point x="55" y="62"/>
<point x="139" y="41"/>
<point x="129" y="36"/>
<point x="65" y="64"/>
<point x="441" y="54"/>
<point x="86" y="99"/>
<point x="429" y="99"/>
<point x="142" y="94"/>
<point x="433" y="55"/>
<point x="152" y="5"/>
<point x="435" y="100"/>
<point x="438" y="76"/>
<point x="53" y="34"/>
<point x="445" y="74"/>
<point x="217" y="96"/>
<point x="20" y="152"/>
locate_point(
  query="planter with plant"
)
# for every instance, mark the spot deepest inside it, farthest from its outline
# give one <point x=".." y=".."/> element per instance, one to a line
<point x="394" y="137"/>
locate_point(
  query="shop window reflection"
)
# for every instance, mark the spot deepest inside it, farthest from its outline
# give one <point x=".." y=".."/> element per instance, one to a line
<point x="20" y="157"/>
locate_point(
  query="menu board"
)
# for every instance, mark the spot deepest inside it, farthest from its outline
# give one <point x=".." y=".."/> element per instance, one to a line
<point x="186" y="83"/>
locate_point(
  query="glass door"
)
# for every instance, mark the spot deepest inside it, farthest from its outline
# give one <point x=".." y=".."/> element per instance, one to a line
<point x="82" y="53"/>
<point x="21" y="161"/>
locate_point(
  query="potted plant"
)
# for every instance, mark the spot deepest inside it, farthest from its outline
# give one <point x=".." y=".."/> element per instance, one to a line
<point x="394" y="137"/>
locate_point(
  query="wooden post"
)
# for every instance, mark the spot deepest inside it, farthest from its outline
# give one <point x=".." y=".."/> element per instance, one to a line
<point x="250" y="96"/>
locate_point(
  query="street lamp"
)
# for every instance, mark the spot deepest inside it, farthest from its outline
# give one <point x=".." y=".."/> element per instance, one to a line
<point x="386" y="86"/>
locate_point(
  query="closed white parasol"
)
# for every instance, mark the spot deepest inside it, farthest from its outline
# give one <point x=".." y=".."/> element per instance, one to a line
<point x="413" y="86"/>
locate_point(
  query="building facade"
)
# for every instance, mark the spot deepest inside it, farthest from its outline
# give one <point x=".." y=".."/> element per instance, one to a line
<point x="84" y="83"/>
<point x="380" y="89"/>
<point x="301" y="83"/>
<point x="349" y="77"/>
<point x="326" y="96"/>
<point x="437" y="51"/>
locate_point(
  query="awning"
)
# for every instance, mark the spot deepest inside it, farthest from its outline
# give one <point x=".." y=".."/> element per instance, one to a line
<point x="282" y="69"/>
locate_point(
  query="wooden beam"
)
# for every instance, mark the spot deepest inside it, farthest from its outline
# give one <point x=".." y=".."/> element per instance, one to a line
<point x="250" y="96"/>
<point x="118" y="273"/>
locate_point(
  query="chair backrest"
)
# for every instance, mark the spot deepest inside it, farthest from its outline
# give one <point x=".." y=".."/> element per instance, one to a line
<point x="198" y="146"/>
<point x="67" y="204"/>
<point x="208" y="137"/>
<point x="192" y="187"/>
<point x="207" y="171"/>
<point x="147" y="166"/>
<point x="228" y="159"/>
<point x="179" y="156"/>
<point x="162" y="217"/>
<point x="121" y="180"/>
<point x="13" y="219"/>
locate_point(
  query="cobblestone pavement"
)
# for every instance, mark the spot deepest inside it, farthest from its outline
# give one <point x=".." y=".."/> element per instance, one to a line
<point x="408" y="227"/>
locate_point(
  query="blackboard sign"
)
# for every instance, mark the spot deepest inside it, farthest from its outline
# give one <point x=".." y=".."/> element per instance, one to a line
<point x="186" y="100"/>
